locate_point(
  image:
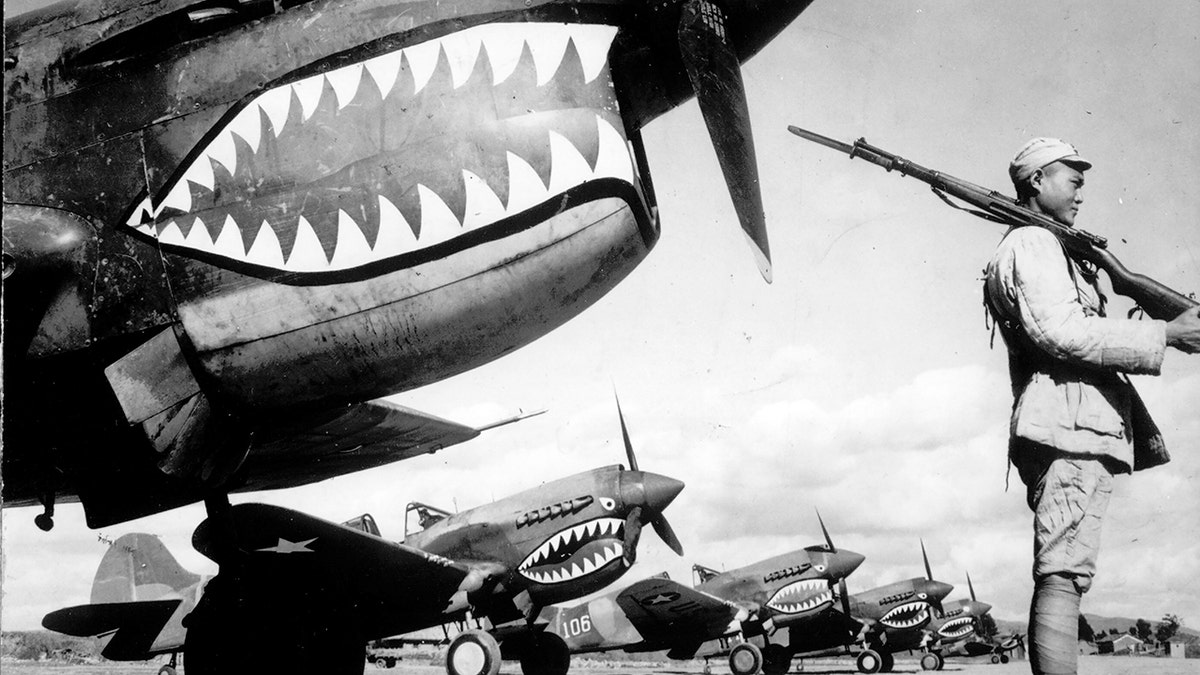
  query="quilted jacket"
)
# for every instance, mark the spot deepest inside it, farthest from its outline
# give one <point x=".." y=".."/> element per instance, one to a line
<point x="1067" y="360"/>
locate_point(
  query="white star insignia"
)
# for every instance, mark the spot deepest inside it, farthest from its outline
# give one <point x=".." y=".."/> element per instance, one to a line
<point x="661" y="598"/>
<point x="285" y="546"/>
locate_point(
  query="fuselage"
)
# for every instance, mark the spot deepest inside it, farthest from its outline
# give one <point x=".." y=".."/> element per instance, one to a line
<point x="306" y="205"/>
<point x="893" y="614"/>
<point x="782" y="590"/>
<point x="556" y="542"/>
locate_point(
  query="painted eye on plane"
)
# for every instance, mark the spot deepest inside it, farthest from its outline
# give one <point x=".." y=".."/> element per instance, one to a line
<point x="608" y="504"/>
<point x="819" y="568"/>
<point x="922" y="596"/>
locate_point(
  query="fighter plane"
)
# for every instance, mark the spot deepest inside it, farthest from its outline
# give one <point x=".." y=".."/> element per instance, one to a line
<point x="870" y="624"/>
<point x="231" y="225"/>
<point x="661" y="614"/>
<point x="949" y="632"/>
<point x="139" y="597"/>
<point x="298" y="593"/>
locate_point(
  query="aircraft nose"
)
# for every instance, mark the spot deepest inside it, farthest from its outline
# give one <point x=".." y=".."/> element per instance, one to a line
<point x="842" y="563"/>
<point x="938" y="590"/>
<point x="651" y="490"/>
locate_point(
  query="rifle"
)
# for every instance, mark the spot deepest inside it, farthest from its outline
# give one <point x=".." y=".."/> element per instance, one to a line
<point x="1156" y="299"/>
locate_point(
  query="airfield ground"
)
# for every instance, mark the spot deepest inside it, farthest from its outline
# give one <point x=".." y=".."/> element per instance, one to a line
<point x="1089" y="665"/>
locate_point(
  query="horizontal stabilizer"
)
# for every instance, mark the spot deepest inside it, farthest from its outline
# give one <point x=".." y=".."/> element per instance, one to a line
<point x="134" y="626"/>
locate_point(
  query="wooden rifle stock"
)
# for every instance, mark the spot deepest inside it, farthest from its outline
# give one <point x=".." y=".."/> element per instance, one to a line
<point x="1155" y="298"/>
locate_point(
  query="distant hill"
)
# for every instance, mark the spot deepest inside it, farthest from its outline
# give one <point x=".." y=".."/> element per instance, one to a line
<point x="1102" y="624"/>
<point x="1099" y="624"/>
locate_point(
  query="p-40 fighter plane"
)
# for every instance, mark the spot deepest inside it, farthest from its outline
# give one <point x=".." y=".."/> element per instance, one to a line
<point x="871" y="623"/>
<point x="951" y="630"/>
<point x="297" y="593"/>
<point x="229" y="225"/>
<point x="139" y="598"/>
<point x="660" y="614"/>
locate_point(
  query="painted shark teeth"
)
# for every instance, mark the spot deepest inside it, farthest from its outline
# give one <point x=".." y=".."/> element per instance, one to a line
<point x="801" y="596"/>
<point x="958" y="627"/>
<point x="611" y="529"/>
<point x="502" y="43"/>
<point x="908" y="615"/>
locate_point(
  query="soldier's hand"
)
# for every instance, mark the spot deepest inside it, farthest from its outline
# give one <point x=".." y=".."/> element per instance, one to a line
<point x="1183" y="332"/>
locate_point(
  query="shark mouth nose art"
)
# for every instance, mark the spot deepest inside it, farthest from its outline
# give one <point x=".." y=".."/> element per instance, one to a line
<point x="575" y="552"/>
<point x="908" y="615"/>
<point x="802" y="596"/>
<point x="958" y="627"/>
<point x="438" y="145"/>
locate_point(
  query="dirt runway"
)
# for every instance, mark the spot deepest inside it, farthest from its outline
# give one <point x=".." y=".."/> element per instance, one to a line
<point x="1089" y="665"/>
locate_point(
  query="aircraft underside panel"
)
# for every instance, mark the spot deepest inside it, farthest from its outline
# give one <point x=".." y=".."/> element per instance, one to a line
<point x="403" y="217"/>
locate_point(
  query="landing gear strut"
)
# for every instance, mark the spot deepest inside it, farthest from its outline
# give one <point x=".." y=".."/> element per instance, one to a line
<point x="45" y="519"/>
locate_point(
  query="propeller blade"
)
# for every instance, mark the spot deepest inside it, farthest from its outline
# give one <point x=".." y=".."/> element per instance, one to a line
<point x="928" y="573"/>
<point x="971" y="588"/>
<point x="663" y="528"/>
<point x="716" y="77"/>
<point x="633" y="532"/>
<point x="844" y="595"/>
<point x="633" y="465"/>
<point x="828" y="539"/>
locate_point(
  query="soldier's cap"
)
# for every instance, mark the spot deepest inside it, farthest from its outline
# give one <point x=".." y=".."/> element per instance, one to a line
<point x="1041" y="152"/>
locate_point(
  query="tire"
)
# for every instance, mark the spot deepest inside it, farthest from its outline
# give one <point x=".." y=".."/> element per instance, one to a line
<point x="380" y="662"/>
<point x="166" y="670"/>
<point x="1004" y="658"/>
<point x="745" y="659"/>
<point x="888" y="661"/>
<point x="995" y="658"/>
<point x="869" y="661"/>
<point x="929" y="662"/>
<point x="545" y="654"/>
<point x="777" y="660"/>
<point x="473" y="652"/>
<point x="391" y="662"/>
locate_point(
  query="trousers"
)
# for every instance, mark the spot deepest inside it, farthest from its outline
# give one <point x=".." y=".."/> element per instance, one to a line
<point x="1068" y="495"/>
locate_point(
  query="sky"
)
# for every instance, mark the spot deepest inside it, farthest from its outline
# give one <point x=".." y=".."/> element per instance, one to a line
<point x="862" y="382"/>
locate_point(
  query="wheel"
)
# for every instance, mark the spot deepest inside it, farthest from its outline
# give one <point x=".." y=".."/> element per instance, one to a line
<point x="391" y="662"/>
<point x="166" y="670"/>
<point x="777" y="660"/>
<point x="545" y="654"/>
<point x="930" y="661"/>
<point x="745" y="659"/>
<point x="1004" y="658"/>
<point x="473" y="652"/>
<point x="380" y="662"/>
<point x="887" y="662"/>
<point x="995" y="658"/>
<point x="869" y="661"/>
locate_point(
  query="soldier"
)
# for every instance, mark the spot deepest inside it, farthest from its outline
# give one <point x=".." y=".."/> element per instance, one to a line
<point x="1076" y="419"/>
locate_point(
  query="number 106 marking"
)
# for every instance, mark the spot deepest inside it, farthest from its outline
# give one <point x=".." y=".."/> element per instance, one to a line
<point x="578" y="626"/>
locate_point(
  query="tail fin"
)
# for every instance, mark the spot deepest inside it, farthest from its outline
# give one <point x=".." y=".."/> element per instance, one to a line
<point x="139" y="567"/>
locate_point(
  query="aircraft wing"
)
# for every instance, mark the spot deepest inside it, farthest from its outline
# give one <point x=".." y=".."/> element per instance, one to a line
<point x="357" y="437"/>
<point x="133" y="627"/>
<point x="290" y="556"/>
<point x="665" y="610"/>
